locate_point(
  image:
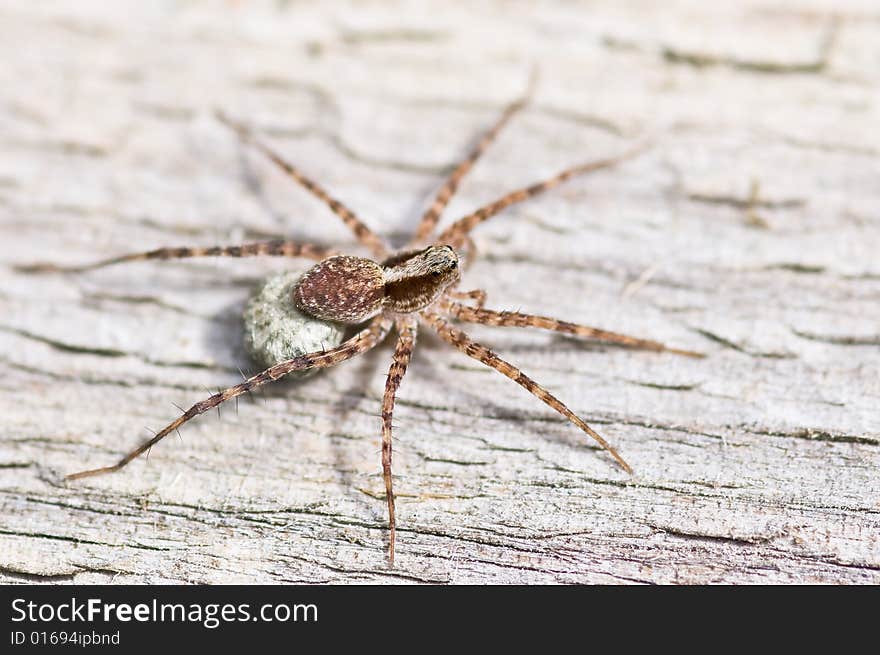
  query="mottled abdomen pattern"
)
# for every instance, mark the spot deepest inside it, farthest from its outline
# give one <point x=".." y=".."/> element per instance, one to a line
<point x="343" y="289"/>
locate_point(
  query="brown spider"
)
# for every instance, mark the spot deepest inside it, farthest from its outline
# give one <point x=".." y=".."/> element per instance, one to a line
<point x="400" y="290"/>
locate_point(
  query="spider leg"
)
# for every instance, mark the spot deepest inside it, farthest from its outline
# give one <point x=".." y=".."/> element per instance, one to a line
<point x="444" y="195"/>
<point x="456" y="233"/>
<point x="271" y="248"/>
<point x="479" y="352"/>
<point x="359" y="343"/>
<point x="467" y="251"/>
<point x="516" y="319"/>
<point x="477" y="295"/>
<point x="364" y="234"/>
<point x="406" y="342"/>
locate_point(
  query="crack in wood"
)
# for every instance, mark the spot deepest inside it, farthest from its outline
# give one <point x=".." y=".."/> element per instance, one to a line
<point x="728" y="449"/>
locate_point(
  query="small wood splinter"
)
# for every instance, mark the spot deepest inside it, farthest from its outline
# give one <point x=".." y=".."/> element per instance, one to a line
<point x="400" y="290"/>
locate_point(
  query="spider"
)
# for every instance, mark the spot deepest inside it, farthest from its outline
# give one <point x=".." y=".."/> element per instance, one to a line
<point x="417" y="286"/>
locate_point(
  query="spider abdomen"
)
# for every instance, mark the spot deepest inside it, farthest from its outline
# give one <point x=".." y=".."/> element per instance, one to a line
<point x="344" y="289"/>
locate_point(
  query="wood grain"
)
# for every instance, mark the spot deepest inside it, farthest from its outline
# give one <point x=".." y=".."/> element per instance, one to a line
<point x="749" y="231"/>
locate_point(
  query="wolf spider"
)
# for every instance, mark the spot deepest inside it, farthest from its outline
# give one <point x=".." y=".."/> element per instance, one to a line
<point x="399" y="290"/>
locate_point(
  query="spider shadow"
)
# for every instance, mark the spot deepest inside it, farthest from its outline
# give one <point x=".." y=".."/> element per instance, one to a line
<point x="254" y="182"/>
<point x="566" y="434"/>
<point x="255" y="186"/>
<point x="224" y="336"/>
<point x="367" y="370"/>
<point x="562" y="344"/>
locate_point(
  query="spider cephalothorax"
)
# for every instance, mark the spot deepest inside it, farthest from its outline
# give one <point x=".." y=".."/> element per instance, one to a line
<point x="415" y="279"/>
<point x="401" y="291"/>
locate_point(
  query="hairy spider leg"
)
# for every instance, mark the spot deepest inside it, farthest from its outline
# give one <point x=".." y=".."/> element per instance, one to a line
<point x="455" y="234"/>
<point x="270" y="248"/>
<point x="450" y="186"/>
<point x="477" y="295"/>
<point x="364" y="234"/>
<point x="361" y="342"/>
<point x="467" y="251"/>
<point x="471" y="348"/>
<point x="407" y="329"/>
<point x="517" y="319"/>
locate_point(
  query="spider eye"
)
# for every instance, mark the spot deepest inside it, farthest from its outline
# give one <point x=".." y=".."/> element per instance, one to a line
<point x="435" y="273"/>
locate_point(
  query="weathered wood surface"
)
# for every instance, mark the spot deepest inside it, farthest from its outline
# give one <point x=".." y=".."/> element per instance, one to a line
<point x="750" y="231"/>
